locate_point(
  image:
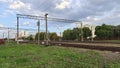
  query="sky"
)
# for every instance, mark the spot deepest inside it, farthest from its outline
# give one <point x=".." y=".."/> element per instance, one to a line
<point x="93" y="12"/>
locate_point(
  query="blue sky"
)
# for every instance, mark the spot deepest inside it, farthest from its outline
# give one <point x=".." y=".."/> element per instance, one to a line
<point x="93" y="12"/>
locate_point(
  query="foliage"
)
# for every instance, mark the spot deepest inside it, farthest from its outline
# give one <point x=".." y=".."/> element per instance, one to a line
<point x="68" y="35"/>
<point x="41" y="36"/>
<point x="86" y="32"/>
<point x="107" y="31"/>
<point x="116" y="32"/>
<point x="52" y="36"/>
<point x="75" y="33"/>
<point x="30" y="37"/>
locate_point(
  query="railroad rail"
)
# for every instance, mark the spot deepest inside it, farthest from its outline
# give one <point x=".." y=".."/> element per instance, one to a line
<point x="95" y="46"/>
<point x="88" y="46"/>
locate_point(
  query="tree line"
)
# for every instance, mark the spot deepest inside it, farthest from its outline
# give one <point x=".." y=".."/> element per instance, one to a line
<point x="102" y="32"/>
<point x="108" y="32"/>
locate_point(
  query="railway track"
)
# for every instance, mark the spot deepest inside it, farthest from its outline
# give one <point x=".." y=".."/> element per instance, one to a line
<point x="88" y="46"/>
<point x="115" y="47"/>
<point x="111" y="42"/>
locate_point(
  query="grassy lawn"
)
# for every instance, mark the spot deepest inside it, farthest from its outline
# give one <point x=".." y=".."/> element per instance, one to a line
<point x="34" y="56"/>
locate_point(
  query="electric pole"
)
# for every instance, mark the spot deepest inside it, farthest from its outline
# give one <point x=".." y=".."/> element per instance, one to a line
<point x="92" y="34"/>
<point x="17" y="30"/>
<point x="60" y="33"/>
<point x="3" y="35"/>
<point x="46" y="29"/>
<point x="77" y="30"/>
<point x="8" y="35"/>
<point x="82" y="32"/>
<point x="38" y="24"/>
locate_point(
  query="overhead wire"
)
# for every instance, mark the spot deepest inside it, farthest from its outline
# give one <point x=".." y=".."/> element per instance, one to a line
<point x="19" y="28"/>
<point x="49" y="18"/>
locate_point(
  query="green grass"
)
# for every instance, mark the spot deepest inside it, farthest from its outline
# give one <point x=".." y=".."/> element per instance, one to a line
<point x="34" y="56"/>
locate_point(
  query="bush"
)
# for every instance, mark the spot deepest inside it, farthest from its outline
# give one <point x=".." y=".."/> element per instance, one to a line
<point x="2" y="41"/>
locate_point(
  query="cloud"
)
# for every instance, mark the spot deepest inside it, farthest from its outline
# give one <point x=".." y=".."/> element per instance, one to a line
<point x="3" y="15"/>
<point x="1" y="29"/>
<point x="6" y="0"/>
<point x="1" y="25"/>
<point x="26" y="23"/>
<point x="80" y="10"/>
<point x="64" y="4"/>
<point x="95" y="11"/>
<point x="19" y="5"/>
<point x="92" y="19"/>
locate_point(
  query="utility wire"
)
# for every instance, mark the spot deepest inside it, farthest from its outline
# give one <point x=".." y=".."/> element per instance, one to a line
<point x="15" y="28"/>
<point x="49" y="18"/>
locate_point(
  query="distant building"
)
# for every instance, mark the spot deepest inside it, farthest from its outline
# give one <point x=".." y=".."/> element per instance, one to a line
<point x="92" y="28"/>
<point x="22" y="34"/>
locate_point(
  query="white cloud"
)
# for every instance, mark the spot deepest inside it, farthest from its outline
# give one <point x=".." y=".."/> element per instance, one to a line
<point x="26" y="23"/>
<point x="88" y="18"/>
<point x="64" y="4"/>
<point x="92" y="18"/>
<point x="3" y="15"/>
<point x="9" y="11"/>
<point x="90" y="11"/>
<point x="1" y="25"/>
<point x="37" y="12"/>
<point x="96" y="19"/>
<point x="118" y="15"/>
<point x="6" y="13"/>
<point x="19" y="5"/>
<point x="6" y="0"/>
<point x="85" y="22"/>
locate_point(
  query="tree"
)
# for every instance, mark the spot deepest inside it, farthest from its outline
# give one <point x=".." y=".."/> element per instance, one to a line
<point x="41" y="36"/>
<point x="104" y="31"/>
<point x="68" y="35"/>
<point x="53" y="36"/>
<point x="116" y="32"/>
<point x="30" y="37"/>
<point x="75" y="33"/>
<point x="86" y="32"/>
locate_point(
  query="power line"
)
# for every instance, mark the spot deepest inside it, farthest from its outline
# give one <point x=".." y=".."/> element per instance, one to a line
<point x="19" y="28"/>
<point x="43" y="18"/>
